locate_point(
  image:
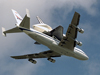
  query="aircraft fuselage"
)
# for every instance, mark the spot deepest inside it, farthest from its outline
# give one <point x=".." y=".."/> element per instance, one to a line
<point x="52" y="43"/>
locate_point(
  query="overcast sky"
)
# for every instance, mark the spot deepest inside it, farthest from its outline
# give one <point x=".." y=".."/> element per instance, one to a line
<point x="53" y="13"/>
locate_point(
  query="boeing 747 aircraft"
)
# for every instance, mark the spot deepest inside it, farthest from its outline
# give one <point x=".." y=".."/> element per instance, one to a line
<point x="58" y="43"/>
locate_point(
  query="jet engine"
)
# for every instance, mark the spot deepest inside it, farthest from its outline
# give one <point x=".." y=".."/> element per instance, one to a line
<point x="32" y="61"/>
<point x="80" y="30"/>
<point x="51" y="60"/>
<point x="42" y="28"/>
<point x="78" y="43"/>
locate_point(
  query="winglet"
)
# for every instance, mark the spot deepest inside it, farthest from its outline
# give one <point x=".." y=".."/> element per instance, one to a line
<point x="27" y="12"/>
<point x="3" y="31"/>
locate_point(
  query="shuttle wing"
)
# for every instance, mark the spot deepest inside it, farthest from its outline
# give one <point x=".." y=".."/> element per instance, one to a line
<point x="57" y="32"/>
<point x="45" y="54"/>
<point x="69" y="40"/>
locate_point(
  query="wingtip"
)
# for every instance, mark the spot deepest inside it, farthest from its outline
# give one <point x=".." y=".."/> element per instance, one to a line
<point x="3" y="31"/>
<point x="77" y="13"/>
<point x="27" y="12"/>
<point x="13" y="57"/>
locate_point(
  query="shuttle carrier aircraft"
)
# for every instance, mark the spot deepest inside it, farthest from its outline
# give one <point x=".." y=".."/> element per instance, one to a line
<point x="58" y="43"/>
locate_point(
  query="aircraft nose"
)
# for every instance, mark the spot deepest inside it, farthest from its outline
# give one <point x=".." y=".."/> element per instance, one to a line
<point x="86" y="57"/>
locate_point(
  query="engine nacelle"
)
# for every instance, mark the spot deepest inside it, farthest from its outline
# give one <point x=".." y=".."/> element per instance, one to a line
<point x="78" y="43"/>
<point x="51" y="60"/>
<point x="32" y="61"/>
<point x="80" y="30"/>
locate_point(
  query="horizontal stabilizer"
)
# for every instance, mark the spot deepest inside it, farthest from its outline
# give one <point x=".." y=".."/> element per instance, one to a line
<point x="27" y="12"/>
<point x="13" y="30"/>
<point x="26" y="21"/>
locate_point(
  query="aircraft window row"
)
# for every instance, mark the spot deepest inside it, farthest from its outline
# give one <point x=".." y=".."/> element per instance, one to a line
<point x="48" y="37"/>
<point x="80" y="51"/>
<point x="56" y="40"/>
<point x="45" y="35"/>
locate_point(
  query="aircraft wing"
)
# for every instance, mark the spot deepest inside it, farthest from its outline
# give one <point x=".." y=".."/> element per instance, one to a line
<point x="45" y="54"/>
<point x="69" y="40"/>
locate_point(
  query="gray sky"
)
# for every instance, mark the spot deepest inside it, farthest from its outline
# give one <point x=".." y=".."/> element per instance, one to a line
<point x="54" y="13"/>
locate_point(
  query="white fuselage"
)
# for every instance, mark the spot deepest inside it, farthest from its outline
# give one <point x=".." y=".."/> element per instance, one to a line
<point x="52" y="43"/>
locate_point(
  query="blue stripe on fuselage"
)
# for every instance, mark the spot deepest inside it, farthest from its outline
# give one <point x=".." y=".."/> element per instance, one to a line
<point x="25" y="29"/>
<point x="40" y="34"/>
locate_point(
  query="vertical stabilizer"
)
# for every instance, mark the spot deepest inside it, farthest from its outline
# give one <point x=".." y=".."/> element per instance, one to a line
<point x="17" y="17"/>
<point x="13" y="30"/>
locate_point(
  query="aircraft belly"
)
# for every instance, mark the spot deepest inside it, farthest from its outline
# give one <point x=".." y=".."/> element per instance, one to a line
<point x="50" y="43"/>
<point x="61" y="50"/>
<point x="44" y="40"/>
<point x="40" y="38"/>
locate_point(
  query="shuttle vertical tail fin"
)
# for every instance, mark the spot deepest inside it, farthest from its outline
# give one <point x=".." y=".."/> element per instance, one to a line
<point x="17" y="17"/>
<point x="22" y="22"/>
<point x="40" y="21"/>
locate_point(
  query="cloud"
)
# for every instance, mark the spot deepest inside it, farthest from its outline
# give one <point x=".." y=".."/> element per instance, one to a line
<point x="88" y="6"/>
<point x="90" y="33"/>
<point x="15" y="44"/>
<point x="92" y="67"/>
<point x="21" y="68"/>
